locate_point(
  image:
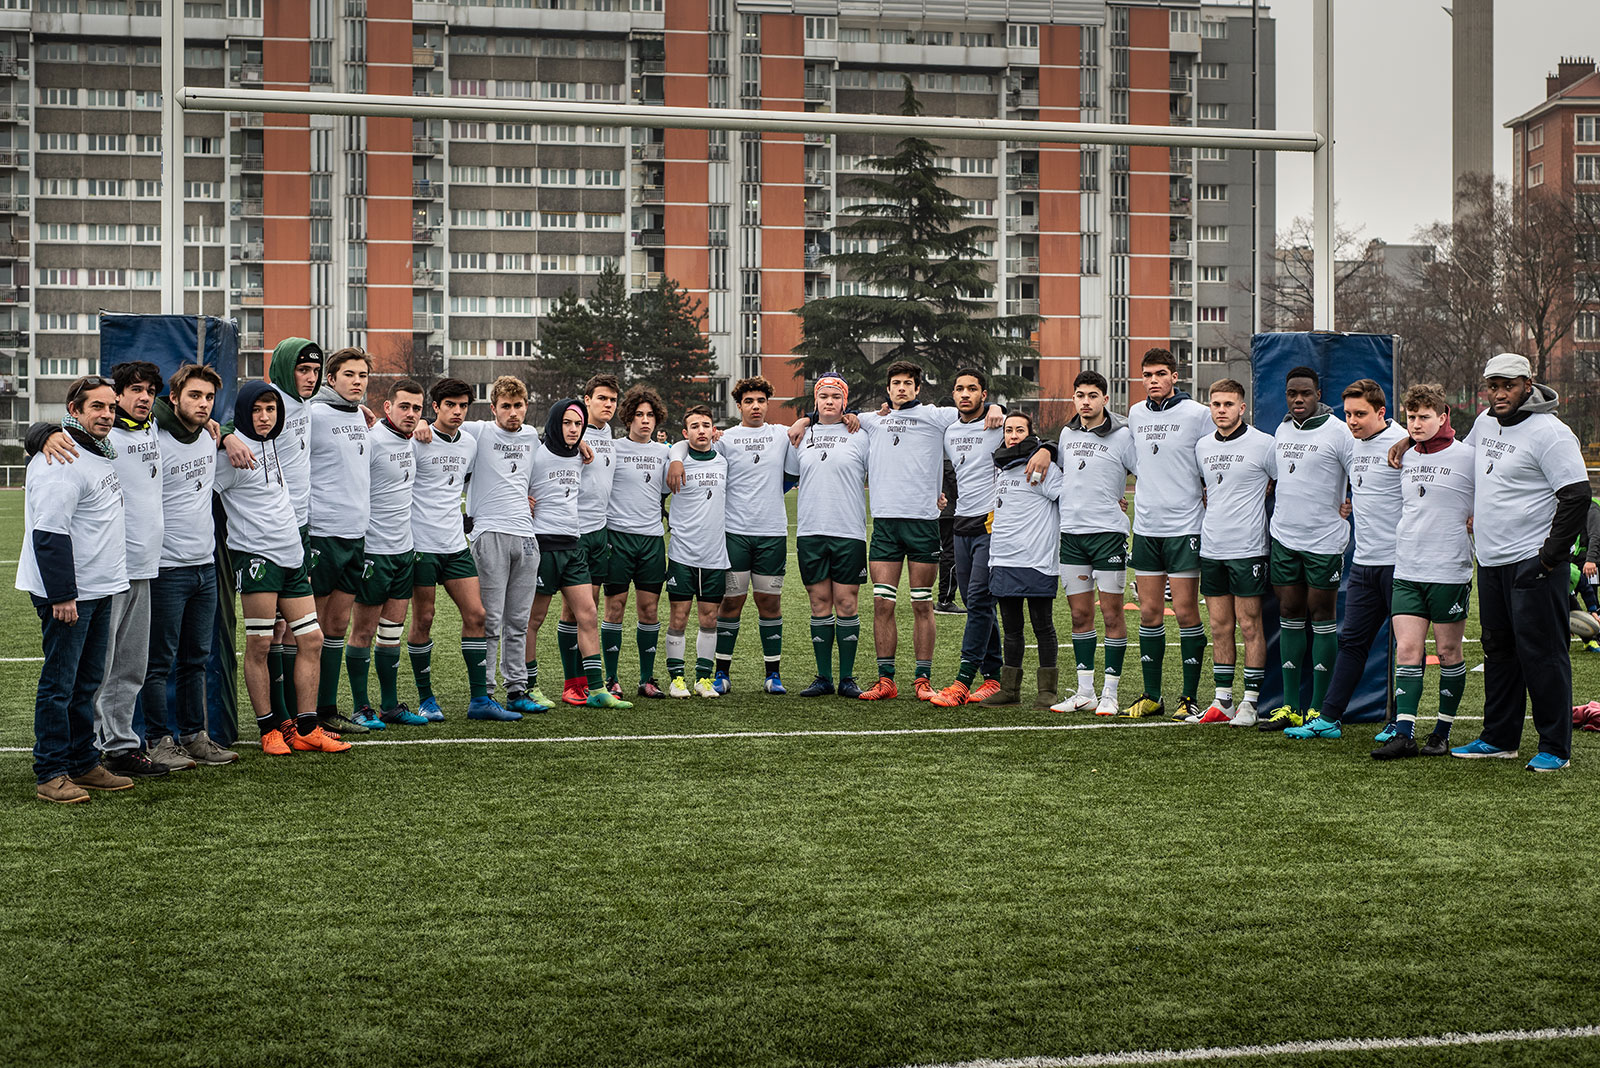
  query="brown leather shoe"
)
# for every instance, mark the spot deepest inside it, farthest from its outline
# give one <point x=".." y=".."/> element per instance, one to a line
<point x="61" y="791"/>
<point x="99" y="778"/>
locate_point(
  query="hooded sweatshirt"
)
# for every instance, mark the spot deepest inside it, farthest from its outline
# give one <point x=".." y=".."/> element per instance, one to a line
<point x="341" y="474"/>
<point x="556" y="481"/>
<point x="261" y="519"/>
<point x="1025" y="513"/>
<point x="1095" y="465"/>
<point x="1313" y="458"/>
<point x="294" y="443"/>
<point x="1530" y="486"/>
<point x="1168" y="489"/>
<point x="188" y="468"/>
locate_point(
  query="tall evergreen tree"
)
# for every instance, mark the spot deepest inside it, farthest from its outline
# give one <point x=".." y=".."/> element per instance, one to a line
<point x="926" y="286"/>
<point x="561" y="365"/>
<point x="669" y="351"/>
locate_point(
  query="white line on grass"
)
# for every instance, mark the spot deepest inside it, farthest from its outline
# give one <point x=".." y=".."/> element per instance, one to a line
<point x="21" y="659"/>
<point x="1336" y="1045"/>
<point x="1020" y="728"/>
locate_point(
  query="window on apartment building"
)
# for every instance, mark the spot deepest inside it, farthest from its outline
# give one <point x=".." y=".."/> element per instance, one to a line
<point x="1588" y="130"/>
<point x="50" y="321"/>
<point x="468" y="87"/>
<point x="719" y="269"/>
<point x="605" y="50"/>
<point x="1022" y="35"/>
<point x="1214" y="314"/>
<point x="977" y="40"/>
<point x="1214" y="354"/>
<point x="469" y="305"/>
<point x="61" y="98"/>
<point x="1211" y="233"/>
<point x="57" y="187"/>
<point x="147" y="99"/>
<point x="1207" y="191"/>
<point x="939" y="83"/>
<point x="558" y="220"/>
<point x="602" y="135"/>
<point x="1214" y="72"/>
<point x="57" y="52"/>
<point x="1213" y="112"/>
<point x="57" y="365"/>
<point x="1587" y="326"/>
<point x="602" y="220"/>
<point x="555" y="46"/>
<point x="1214" y="28"/>
<point x="469" y="44"/>
<point x="602" y="91"/>
<point x="469" y="217"/>
<point x="1213" y="273"/>
<point x="1586" y="168"/>
<point x="936" y="37"/>
<point x="469" y="175"/>
<point x="1089" y="254"/>
<point x="1536" y="136"/>
<point x="552" y="134"/>
<point x="604" y="178"/>
<point x="58" y="142"/>
<point x="891" y="35"/>
<point x="1183" y="21"/>
<point x="855" y="34"/>
<point x="854" y="79"/>
<point x="1212" y="154"/>
<point x="514" y="131"/>
<point x="469" y="261"/>
<point x="820" y="28"/>
<point x="1536" y="175"/>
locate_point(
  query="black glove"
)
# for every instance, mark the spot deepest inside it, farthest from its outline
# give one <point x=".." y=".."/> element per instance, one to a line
<point x="466" y="524"/>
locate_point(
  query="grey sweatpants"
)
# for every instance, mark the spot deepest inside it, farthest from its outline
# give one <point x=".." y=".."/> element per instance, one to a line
<point x="508" y="574"/>
<point x="127" y="657"/>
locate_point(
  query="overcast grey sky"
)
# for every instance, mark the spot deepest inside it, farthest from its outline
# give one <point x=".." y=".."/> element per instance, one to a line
<point x="1392" y="100"/>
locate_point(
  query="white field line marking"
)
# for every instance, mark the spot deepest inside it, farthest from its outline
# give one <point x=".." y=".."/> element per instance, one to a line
<point x="887" y="732"/>
<point x="1335" y="1045"/>
<point x="21" y="659"/>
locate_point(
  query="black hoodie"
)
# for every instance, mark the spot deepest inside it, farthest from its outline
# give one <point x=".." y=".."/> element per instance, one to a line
<point x="553" y="439"/>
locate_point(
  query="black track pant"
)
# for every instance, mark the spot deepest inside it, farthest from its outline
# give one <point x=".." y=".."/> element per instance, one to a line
<point x="1042" y="612"/>
<point x="1523" y="612"/>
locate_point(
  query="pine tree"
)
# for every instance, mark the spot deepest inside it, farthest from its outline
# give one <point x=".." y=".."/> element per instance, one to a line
<point x="926" y="285"/>
<point x="669" y="351"/>
<point x="561" y="365"/>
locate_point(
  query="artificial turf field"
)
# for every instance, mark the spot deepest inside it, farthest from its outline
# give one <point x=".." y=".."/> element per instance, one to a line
<point x="1046" y="886"/>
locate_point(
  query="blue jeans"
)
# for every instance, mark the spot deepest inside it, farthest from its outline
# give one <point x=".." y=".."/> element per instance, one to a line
<point x="980" y="642"/>
<point x="63" y="711"/>
<point x="1367" y="597"/>
<point x="183" y="611"/>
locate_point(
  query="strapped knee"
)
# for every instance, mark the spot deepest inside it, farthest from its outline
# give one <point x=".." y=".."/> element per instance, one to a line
<point x="258" y="628"/>
<point x="389" y="632"/>
<point x="884" y="592"/>
<point x="738" y="583"/>
<point x="921" y="593"/>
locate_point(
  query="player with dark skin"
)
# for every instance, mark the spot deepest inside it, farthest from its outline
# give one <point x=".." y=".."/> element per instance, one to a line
<point x="1301" y="601"/>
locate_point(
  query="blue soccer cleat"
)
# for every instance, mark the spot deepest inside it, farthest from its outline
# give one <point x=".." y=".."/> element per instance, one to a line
<point x="429" y="710"/>
<point x="403" y="716"/>
<point x="1478" y="749"/>
<point x="720" y="681"/>
<point x="367" y="718"/>
<point x="1316" y="727"/>
<point x="774" y="684"/>
<point x="526" y="702"/>
<point x="1547" y="762"/>
<point x="489" y="708"/>
<point x="1387" y="731"/>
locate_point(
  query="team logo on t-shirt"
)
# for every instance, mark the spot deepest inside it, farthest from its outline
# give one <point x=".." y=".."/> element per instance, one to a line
<point x="513" y="467"/>
<point x="1219" y="478"/>
<point x="1291" y="468"/>
<point x="1422" y="491"/>
<point x="1082" y="464"/>
<point x="361" y="449"/>
<point x="754" y="459"/>
<point x="896" y="439"/>
<point x="1155" y="449"/>
<point x="1486" y="470"/>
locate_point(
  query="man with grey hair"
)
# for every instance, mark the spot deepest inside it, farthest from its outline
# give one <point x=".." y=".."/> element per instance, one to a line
<point x="1530" y="499"/>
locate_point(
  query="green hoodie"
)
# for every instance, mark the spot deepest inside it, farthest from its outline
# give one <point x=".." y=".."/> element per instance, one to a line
<point x="284" y="357"/>
<point x="167" y="419"/>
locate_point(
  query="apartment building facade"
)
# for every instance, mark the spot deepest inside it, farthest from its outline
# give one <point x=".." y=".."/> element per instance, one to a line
<point x="439" y="247"/>
<point x="1555" y="147"/>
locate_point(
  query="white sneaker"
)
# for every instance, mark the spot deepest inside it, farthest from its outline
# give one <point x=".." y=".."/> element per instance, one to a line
<point x="1078" y="702"/>
<point x="1107" y="706"/>
<point x="705" y="688"/>
<point x="1245" y="717"/>
<point x="678" y="688"/>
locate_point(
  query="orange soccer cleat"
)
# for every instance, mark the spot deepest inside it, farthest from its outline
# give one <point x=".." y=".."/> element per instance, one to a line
<point x="884" y="690"/>
<point x="276" y="741"/>
<point x="989" y="688"/>
<point x="952" y="695"/>
<point x="923" y="688"/>
<point x="318" y="741"/>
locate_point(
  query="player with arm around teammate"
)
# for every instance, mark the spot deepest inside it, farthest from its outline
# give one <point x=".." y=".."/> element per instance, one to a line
<point x="1432" y="570"/>
<point x="270" y="575"/>
<point x="1239" y="466"/>
<point x="1376" y="503"/>
<point x="600" y="395"/>
<point x="697" y="555"/>
<point x="443" y="557"/>
<point x="1095" y="455"/>
<point x="633" y="529"/>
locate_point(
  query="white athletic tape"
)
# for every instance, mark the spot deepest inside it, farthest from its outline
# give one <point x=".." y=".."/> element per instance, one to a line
<point x="738" y="583"/>
<point x="258" y="626"/>
<point x="304" y="625"/>
<point x="767" y="583"/>
<point x="389" y="633"/>
<point x="921" y="593"/>
<point x="1280" y="1049"/>
<point x="882" y="591"/>
<point x="1111" y="581"/>
<point x="1076" y="579"/>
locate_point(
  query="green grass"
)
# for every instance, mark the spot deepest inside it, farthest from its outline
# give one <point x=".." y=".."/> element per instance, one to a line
<point x="863" y="900"/>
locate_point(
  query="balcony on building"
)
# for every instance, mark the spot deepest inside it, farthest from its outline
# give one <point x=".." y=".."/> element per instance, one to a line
<point x="251" y="160"/>
<point x="424" y="146"/>
<point x="1022" y="224"/>
<point x="1022" y="306"/>
<point x="818" y="93"/>
<point x="649" y="150"/>
<point x="816" y="220"/>
<point x="642" y="280"/>
<point x="426" y="189"/>
<point x="818" y="176"/>
<point x="1022" y="98"/>
<point x="423" y="275"/>
<point x="818" y="288"/>
<point x="252" y="339"/>
<point x="1179" y="247"/>
<point x="12" y="67"/>
<point x="12" y="203"/>
<point x="1181" y="289"/>
<point x="1180" y="330"/>
<point x="252" y="250"/>
<point x="650" y="90"/>
<point x="426" y="56"/>
<point x="251" y="295"/>
<point x="245" y="207"/>
<point x="1179" y="161"/>
<point x="422" y="233"/>
<point x="13" y="294"/>
<point x="13" y="157"/>
<point x="651" y="238"/>
<point x="426" y="322"/>
<point x="11" y="111"/>
<point x="1022" y="265"/>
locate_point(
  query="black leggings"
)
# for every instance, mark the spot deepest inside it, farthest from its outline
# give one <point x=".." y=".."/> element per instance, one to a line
<point x="1042" y="612"/>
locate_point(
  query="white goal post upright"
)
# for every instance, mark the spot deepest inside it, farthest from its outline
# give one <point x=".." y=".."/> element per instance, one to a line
<point x="1318" y="141"/>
